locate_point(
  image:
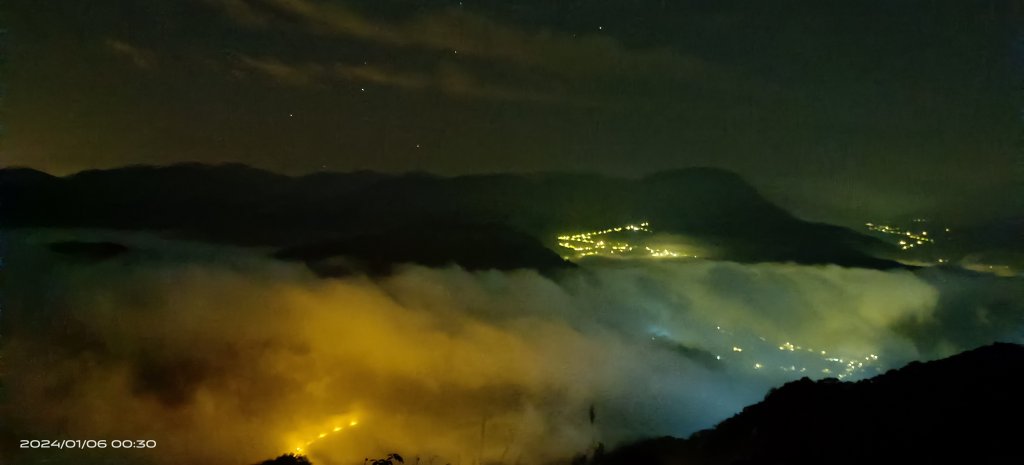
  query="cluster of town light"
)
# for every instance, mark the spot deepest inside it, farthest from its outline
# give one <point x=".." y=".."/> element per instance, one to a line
<point x="619" y="241"/>
<point x="799" y="358"/>
<point x="908" y="239"/>
<point x="847" y="367"/>
<point x="835" y="366"/>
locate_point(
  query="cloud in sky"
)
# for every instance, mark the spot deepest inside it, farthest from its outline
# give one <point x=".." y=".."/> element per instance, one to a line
<point x="447" y="78"/>
<point x="453" y="30"/>
<point x="141" y="57"/>
<point x="546" y="64"/>
<point x="811" y="102"/>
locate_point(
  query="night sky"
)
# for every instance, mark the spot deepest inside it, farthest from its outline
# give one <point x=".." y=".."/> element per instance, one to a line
<point x="231" y="315"/>
<point x="832" y="108"/>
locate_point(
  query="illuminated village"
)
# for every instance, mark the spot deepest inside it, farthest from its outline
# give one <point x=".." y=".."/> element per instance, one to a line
<point x="619" y="241"/>
<point x="907" y="239"/>
<point x="758" y="353"/>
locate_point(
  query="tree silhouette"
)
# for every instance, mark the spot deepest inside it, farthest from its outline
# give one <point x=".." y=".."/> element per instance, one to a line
<point x="287" y="459"/>
<point x="390" y="459"/>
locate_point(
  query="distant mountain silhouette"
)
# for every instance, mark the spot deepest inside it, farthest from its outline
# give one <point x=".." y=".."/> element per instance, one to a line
<point x="473" y="247"/>
<point x="89" y="251"/>
<point x="966" y="408"/>
<point x="243" y="205"/>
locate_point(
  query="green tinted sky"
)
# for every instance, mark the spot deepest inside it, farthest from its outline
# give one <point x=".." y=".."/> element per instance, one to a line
<point x="870" y="107"/>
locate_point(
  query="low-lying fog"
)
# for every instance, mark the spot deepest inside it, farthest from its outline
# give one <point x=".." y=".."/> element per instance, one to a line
<point x="223" y="355"/>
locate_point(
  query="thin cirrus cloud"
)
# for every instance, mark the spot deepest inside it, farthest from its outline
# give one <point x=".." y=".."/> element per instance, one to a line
<point x="557" y="60"/>
<point x="139" y="56"/>
<point x="446" y="78"/>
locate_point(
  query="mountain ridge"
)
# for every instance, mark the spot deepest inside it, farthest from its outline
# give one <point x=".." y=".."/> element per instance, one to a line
<point x="969" y="403"/>
<point x="239" y="204"/>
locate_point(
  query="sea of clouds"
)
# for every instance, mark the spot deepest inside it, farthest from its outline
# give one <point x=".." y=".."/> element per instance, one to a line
<point x="225" y="356"/>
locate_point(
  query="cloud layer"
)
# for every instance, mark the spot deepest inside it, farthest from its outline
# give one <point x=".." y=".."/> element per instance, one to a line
<point x="223" y="356"/>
